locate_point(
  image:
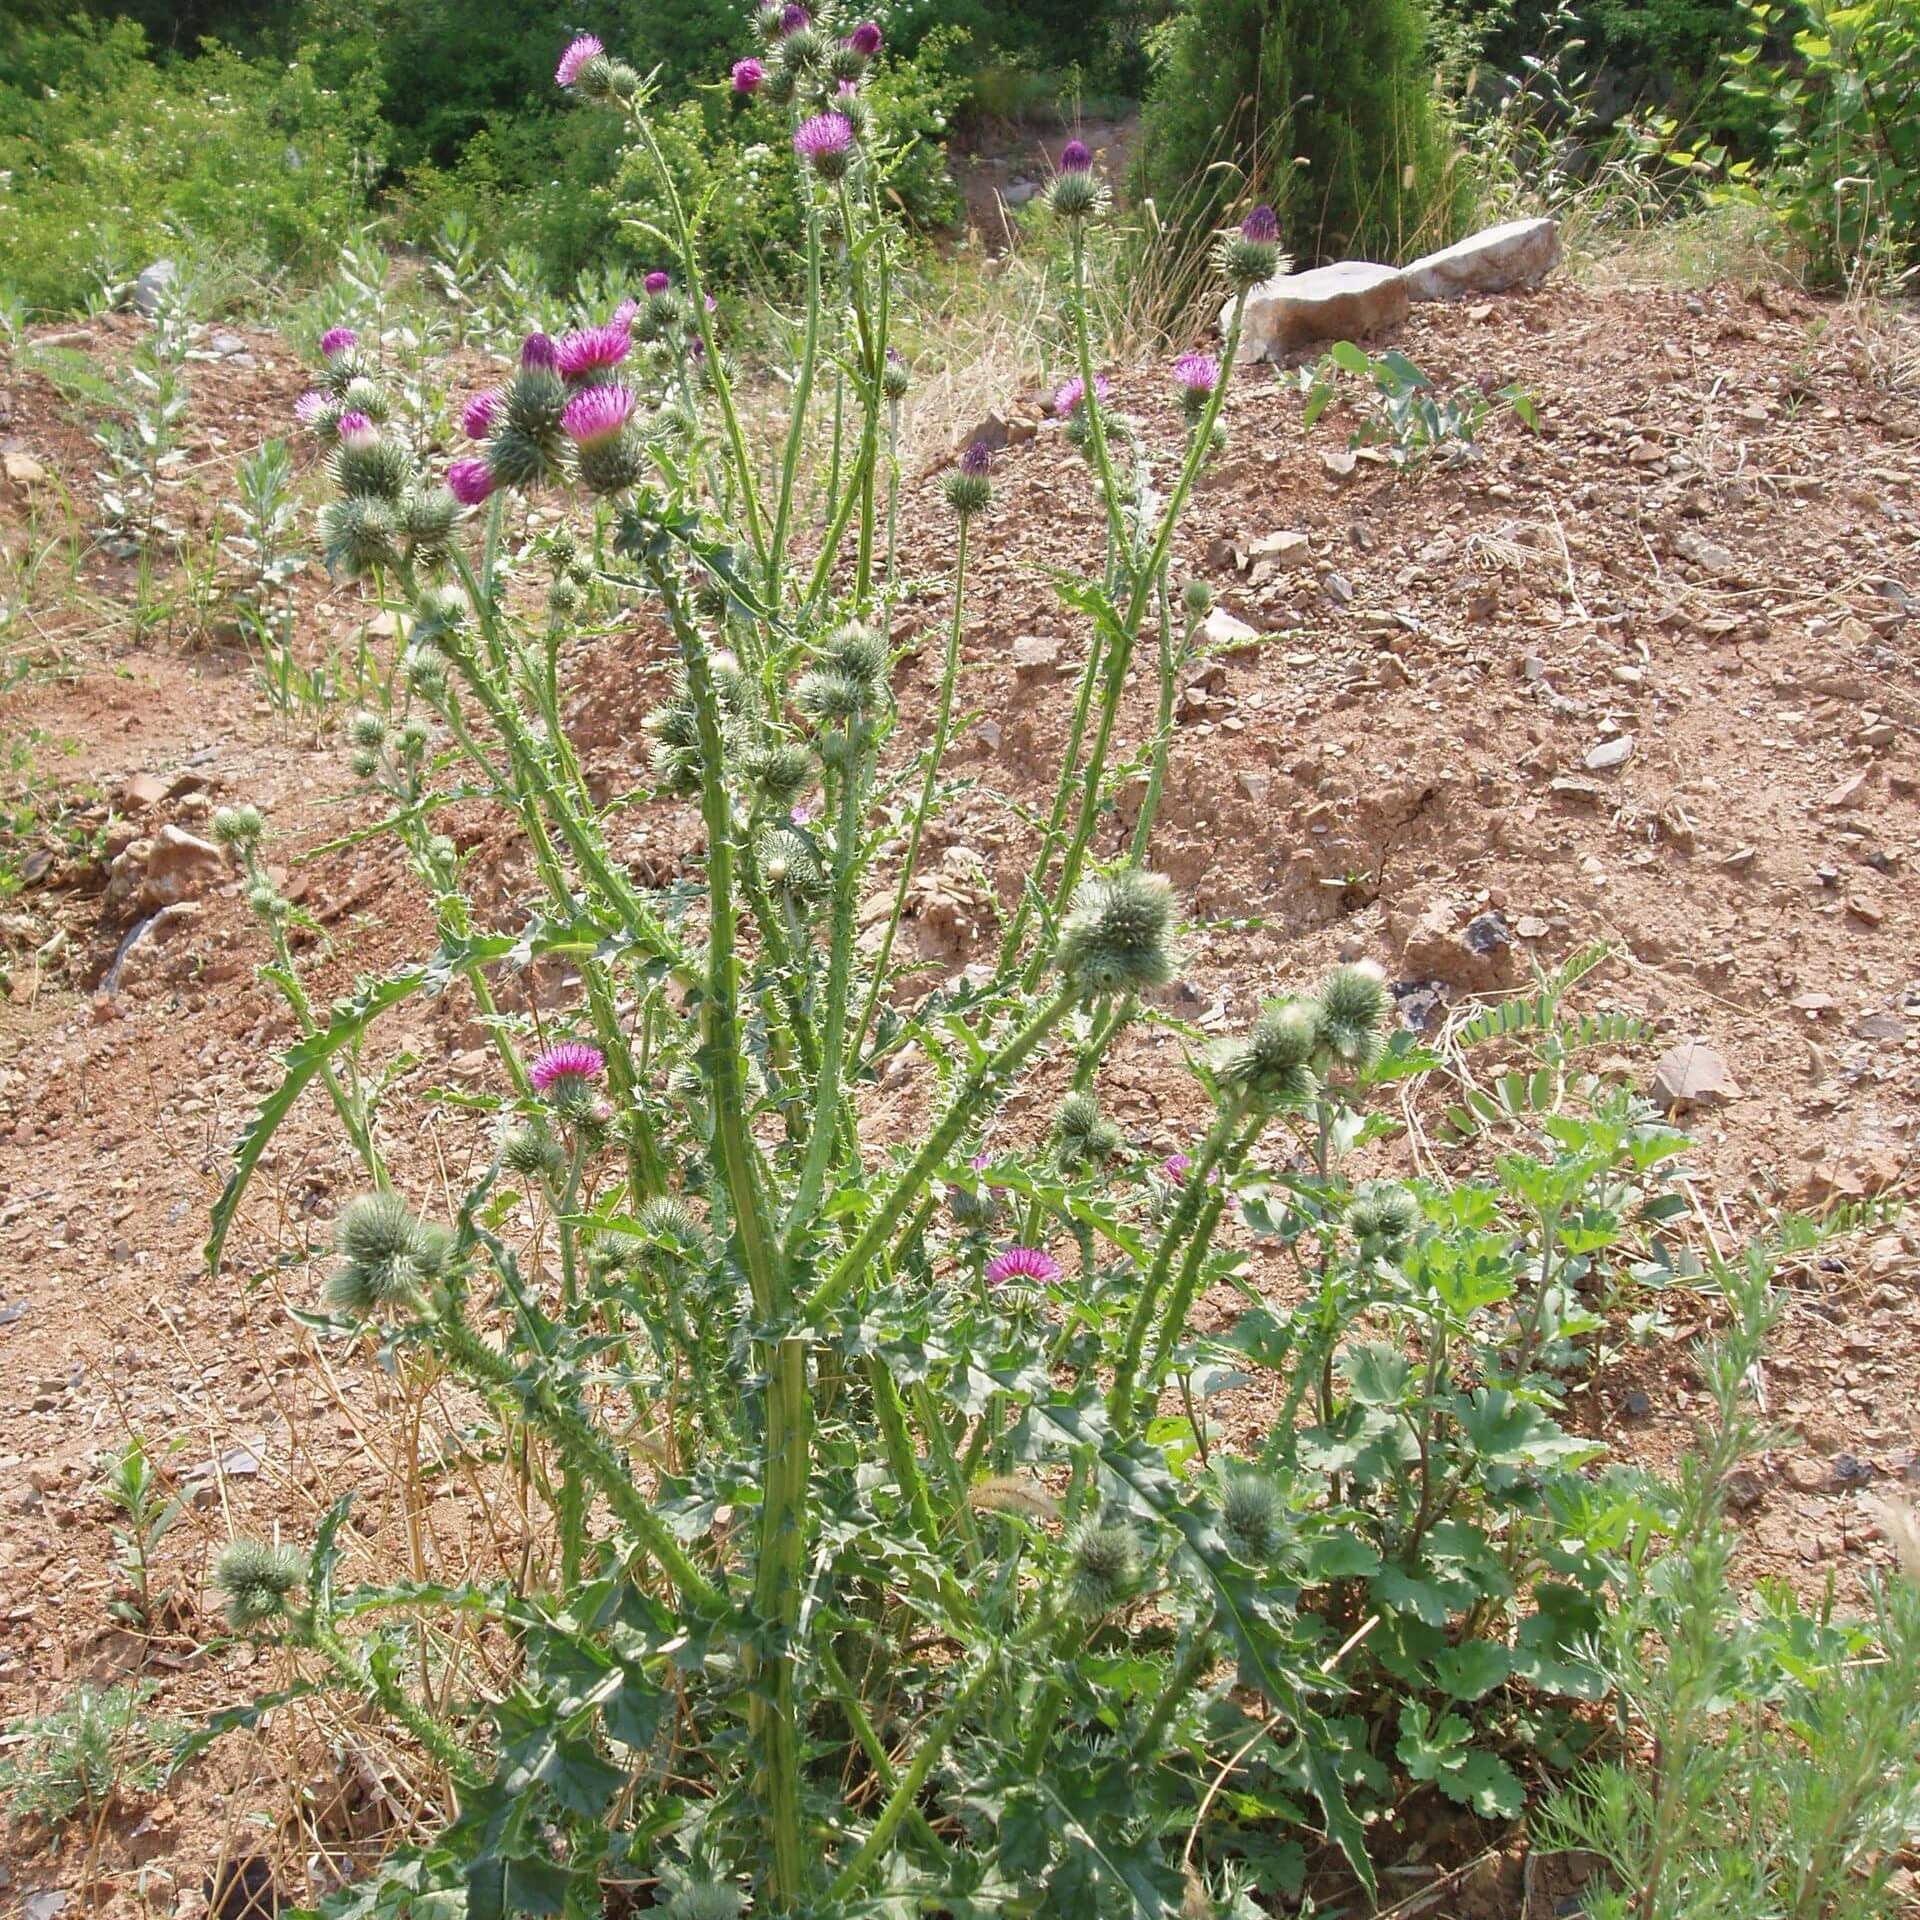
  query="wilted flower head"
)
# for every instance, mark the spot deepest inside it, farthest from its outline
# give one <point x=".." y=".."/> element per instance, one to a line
<point x="566" y="1060"/>
<point x="477" y="416"/>
<point x="1033" y="1266"/>
<point x="597" y="413"/>
<point x="471" y="482"/>
<point x="336" y="341"/>
<point x="1076" y="157"/>
<point x="748" y="76"/>
<point x="658" y="281"/>
<point x="1071" y="395"/>
<point x="825" y="141"/>
<point x="593" y="350"/>
<point x="312" y="407"/>
<point x="865" y="39"/>
<point x="1118" y="936"/>
<point x="539" y="350"/>
<point x="580" y="50"/>
<point x="969" y="487"/>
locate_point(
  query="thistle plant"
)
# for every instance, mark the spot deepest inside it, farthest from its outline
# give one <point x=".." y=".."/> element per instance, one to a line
<point x="974" y="1619"/>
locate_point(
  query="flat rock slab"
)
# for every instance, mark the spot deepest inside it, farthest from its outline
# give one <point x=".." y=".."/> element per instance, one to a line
<point x="1342" y="302"/>
<point x="1521" y="253"/>
<point x="1692" y="1074"/>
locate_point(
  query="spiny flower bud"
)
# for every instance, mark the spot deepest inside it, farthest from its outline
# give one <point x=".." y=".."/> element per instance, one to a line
<point x="1253" y="1514"/>
<point x="266" y="901"/>
<point x="357" y="535"/>
<point x="859" y="653"/>
<point x="255" y="1580"/>
<point x="781" y="770"/>
<point x="1105" y="1565"/>
<point x="1118" y="936"/>
<point x="427" y="518"/>
<point x="1354" y="1006"/>
<point x="1383" y="1216"/>
<point x="705" y="1900"/>
<point x="1197" y="597"/>
<point x="388" y="1257"/>
<point x="364" y="764"/>
<point x="1270" y="1065"/>
<point x="1251" y="256"/>
<point x="367" y="730"/>
<point x="532" y="1153"/>
<point x="370" y="463"/>
<point x="1082" y="1137"/>
<point x="1076" y="192"/>
<point x="426" y="669"/>
<point x="969" y="486"/>
<point x="828" y="698"/>
<point x="667" y="1220"/>
<point x="895" y="377"/>
<point x="790" y="865"/>
<point x="238" y="826"/>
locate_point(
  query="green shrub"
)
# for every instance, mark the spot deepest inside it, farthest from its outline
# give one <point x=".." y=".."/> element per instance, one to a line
<point x="98" y="1748"/>
<point x="114" y="160"/>
<point x="1324" y="106"/>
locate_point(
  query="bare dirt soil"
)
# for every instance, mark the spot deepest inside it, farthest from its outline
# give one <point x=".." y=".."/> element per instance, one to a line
<point x="1710" y="551"/>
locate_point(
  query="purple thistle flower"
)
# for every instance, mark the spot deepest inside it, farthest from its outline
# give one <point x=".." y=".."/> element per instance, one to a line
<point x="800" y="813"/>
<point x="847" y="89"/>
<point x="566" y="1060"/>
<point x="981" y="1162"/>
<point x="1262" y="226"/>
<point x="1076" y="157"/>
<point x="311" y="406"/>
<point x="712" y="305"/>
<point x="626" y="313"/>
<point x="596" y="413"/>
<point x="1033" y="1264"/>
<point x="476" y="417"/>
<point x="1197" y="372"/>
<point x="658" y="281"/>
<point x="593" y="349"/>
<point x="471" y="482"/>
<point x="977" y="460"/>
<point x="1176" y="1166"/>
<point x="538" y="350"/>
<point x="865" y="39"/>
<point x="1072" y="393"/>
<point x="355" y="426"/>
<point x="697" y="348"/>
<point x="794" y="19"/>
<point x="748" y="76"/>
<point x="823" y="138"/>
<point x="336" y="340"/>
<point x="579" y="51"/>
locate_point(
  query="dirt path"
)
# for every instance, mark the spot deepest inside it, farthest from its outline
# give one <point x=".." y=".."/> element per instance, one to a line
<point x="1712" y="550"/>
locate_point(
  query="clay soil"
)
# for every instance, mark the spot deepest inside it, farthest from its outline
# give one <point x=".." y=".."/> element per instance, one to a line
<point x="1711" y="547"/>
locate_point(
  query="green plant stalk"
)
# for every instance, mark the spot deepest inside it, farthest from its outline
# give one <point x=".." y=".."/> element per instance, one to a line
<point x="1170" y="664"/>
<point x="447" y="1754"/>
<point x="936" y="754"/>
<point x="573" y="1499"/>
<point x="1173" y="1322"/>
<point x="974" y="1090"/>
<point x="873" y="1849"/>
<point x="1192" y="1203"/>
<point x="802" y="394"/>
<point x="1187" y="1674"/>
<point x="843" y="1690"/>
<point x="576" y="1438"/>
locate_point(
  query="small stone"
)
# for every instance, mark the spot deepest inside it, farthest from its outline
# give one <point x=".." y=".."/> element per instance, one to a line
<point x="1637" y="1405"/>
<point x="1744" y="1491"/>
<point x="151" y="287"/>
<point x="1037" y="655"/>
<point x="1518" y="253"/>
<point x="180" y="866"/>
<point x="1531" y="927"/>
<point x="1256" y="786"/>
<point x="1610" y="753"/>
<point x="1220" y="629"/>
<point x="142" y="791"/>
<point x="1866" y="907"/>
<point x="1850" y="1471"/>
<point x="1282" y="549"/>
<point x="1692" y="1074"/>
<point x="23" y="471"/>
<point x="1340" y="302"/>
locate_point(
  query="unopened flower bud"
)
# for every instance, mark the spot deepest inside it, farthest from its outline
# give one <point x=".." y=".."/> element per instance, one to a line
<point x="1118" y="936"/>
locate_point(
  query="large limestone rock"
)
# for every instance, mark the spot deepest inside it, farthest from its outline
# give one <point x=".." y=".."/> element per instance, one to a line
<point x="1519" y="254"/>
<point x="1342" y="302"/>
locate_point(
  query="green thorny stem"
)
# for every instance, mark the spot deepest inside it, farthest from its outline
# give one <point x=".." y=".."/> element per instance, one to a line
<point x="802" y="394"/>
<point x="1114" y="660"/>
<point x="1122" y="1397"/>
<point x="775" y="1713"/>
<point x="936" y="753"/>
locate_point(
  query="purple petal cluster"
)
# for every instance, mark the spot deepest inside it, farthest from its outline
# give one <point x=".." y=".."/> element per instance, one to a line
<point x="795" y="19"/>
<point x="749" y="76"/>
<point x="1076" y="157"/>
<point x="1261" y="226"/>
<point x="825" y="134"/>
<point x="477" y="416"/>
<point x="593" y="350"/>
<point x="311" y="405"/>
<point x="354" y="426"/>
<point x="336" y="340"/>
<point x="978" y="459"/>
<point x="658" y="281"/>
<point x="1033" y="1265"/>
<point x="579" y="51"/>
<point x="539" y="350"/>
<point x="865" y="39"/>
<point x="1072" y="393"/>
<point x="1197" y="372"/>
<point x="597" y="413"/>
<point x="566" y="1060"/>
<point x="471" y="482"/>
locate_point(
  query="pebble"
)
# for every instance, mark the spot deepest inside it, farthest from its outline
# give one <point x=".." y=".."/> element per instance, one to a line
<point x="1610" y="753"/>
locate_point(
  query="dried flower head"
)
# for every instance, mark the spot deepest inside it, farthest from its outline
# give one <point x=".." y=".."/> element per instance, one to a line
<point x="1118" y="935"/>
<point x="582" y="49"/>
<point x="825" y="143"/>
<point x="256" y="1581"/>
<point x="1026" y="1266"/>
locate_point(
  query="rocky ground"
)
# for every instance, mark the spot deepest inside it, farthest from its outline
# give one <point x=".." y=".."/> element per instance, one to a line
<point x="1646" y="677"/>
